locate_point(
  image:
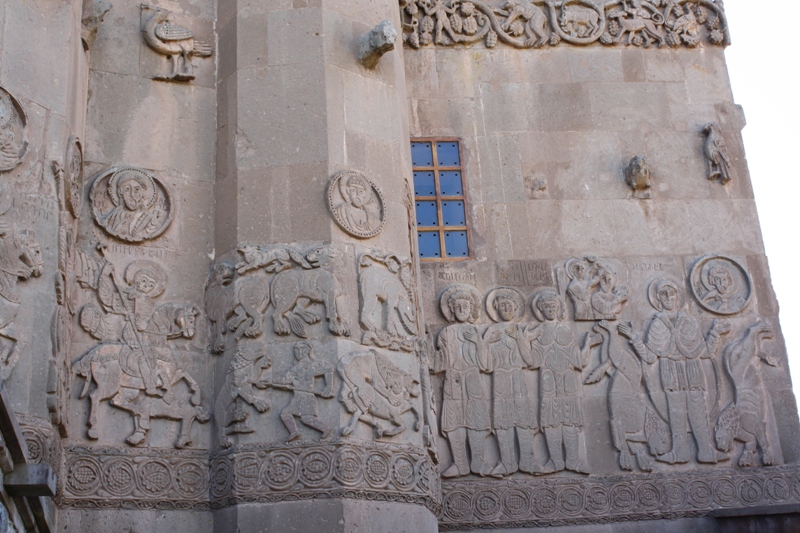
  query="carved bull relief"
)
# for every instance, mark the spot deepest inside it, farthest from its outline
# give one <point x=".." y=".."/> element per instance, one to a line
<point x="131" y="204"/>
<point x="133" y="367"/>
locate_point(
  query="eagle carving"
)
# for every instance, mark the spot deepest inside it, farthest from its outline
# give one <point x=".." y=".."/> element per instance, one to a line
<point x="175" y="42"/>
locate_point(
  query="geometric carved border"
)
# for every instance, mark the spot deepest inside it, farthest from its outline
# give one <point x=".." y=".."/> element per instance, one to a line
<point x="605" y="499"/>
<point x="339" y="468"/>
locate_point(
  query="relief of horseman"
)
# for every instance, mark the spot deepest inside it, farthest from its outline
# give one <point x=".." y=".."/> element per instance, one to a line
<point x="133" y="367"/>
<point x="20" y="259"/>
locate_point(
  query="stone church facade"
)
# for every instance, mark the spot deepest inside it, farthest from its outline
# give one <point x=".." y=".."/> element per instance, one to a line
<point x="386" y="266"/>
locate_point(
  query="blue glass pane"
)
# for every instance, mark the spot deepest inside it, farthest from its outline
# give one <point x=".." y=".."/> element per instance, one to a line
<point x="448" y="154"/>
<point x="423" y="184"/>
<point x="453" y="213"/>
<point x="450" y="183"/>
<point x="455" y="242"/>
<point x="426" y="214"/>
<point x="421" y="155"/>
<point x="429" y="244"/>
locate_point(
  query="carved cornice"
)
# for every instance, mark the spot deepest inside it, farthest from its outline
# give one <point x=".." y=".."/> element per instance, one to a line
<point x="542" y="23"/>
<point x="604" y="499"/>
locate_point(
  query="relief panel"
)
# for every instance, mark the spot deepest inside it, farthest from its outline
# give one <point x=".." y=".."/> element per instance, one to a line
<point x="13" y="132"/>
<point x="357" y="204"/>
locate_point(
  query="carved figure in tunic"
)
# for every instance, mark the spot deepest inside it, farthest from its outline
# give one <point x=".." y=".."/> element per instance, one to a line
<point x="718" y="162"/>
<point x="514" y="409"/>
<point x="747" y="417"/>
<point x="674" y="344"/>
<point x="607" y="302"/>
<point x="439" y="10"/>
<point x="580" y="287"/>
<point x="245" y="375"/>
<point x="463" y="358"/>
<point x="360" y="210"/>
<point x="560" y="361"/>
<point x="20" y="259"/>
<point x="302" y="380"/>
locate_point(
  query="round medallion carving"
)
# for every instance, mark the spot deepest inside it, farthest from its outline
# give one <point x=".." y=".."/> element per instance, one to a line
<point x="700" y="493"/>
<point x="347" y="466"/>
<point x="280" y="470"/>
<point x="221" y="477"/>
<point x="119" y="477"/>
<point x="721" y="285"/>
<point x="674" y="494"/>
<point x="190" y="479"/>
<point x="622" y="497"/>
<point x="316" y="468"/>
<point x="777" y="488"/>
<point x="751" y="490"/>
<point x="83" y="476"/>
<point x="131" y="204"/>
<point x="246" y="473"/>
<point x="725" y="492"/>
<point x="13" y="122"/>
<point x="544" y="502"/>
<point x="356" y="204"/>
<point x="457" y="505"/>
<point x="648" y="496"/>
<point x="597" y="501"/>
<point x="570" y="500"/>
<point x="154" y="478"/>
<point x="486" y="504"/>
<point x="516" y="503"/>
<point x="377" y="470"/>
<point x="403" y="472"/>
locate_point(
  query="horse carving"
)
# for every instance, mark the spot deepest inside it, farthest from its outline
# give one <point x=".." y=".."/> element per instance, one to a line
<point x="20" y="259"/>
<point x="141" y="377"/>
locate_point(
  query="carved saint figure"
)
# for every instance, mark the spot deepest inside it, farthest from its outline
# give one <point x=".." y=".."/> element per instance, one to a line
<point x="580" y="286"/>
<point x="560" y="361"/>
<point x="607" y="302"/>
<point x="718" y="162"/>
<point x="462" y="357"/>
<point x="175" y="42"/>
<point x="593" y="289"/>
<point x="514" y="418"/>
<point x="302" y="380"/>
<point x="13" y="145"/>
<point x="747" y="418"/>
<point x="674" y="344"/>
<point x="141" y="206"/>
<point x="245" y="375"/>
<point x="133" y="366"/>
<point x="374" y="389"/>
<point x="359" y="211"/>
<point x="723" y="292"/>
<point x="20" y="259"/>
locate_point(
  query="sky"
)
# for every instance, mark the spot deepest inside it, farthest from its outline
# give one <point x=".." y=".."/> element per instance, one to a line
<point x="763" y="66"/>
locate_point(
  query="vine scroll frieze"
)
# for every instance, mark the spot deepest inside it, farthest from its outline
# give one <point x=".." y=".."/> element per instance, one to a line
<point x="539" y="23"/>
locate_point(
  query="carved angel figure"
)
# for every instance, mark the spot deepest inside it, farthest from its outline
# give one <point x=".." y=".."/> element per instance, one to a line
<point x="718" y="162"/>
<point x="175" y="42"/>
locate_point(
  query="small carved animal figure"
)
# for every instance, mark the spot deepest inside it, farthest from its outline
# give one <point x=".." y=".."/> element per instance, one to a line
<point x="745" y="420"/>
<point x="579" y="20"/>
<point x="535" y="21"/>
<point x="638" y="177"/>
<point x="640" y="20"/>
<point x="272" y="258"/>
<point x="293" y="291"/>
<point x="175" y="42"/>
<point x="718" y="162"/>
<point x="374" y="389"/>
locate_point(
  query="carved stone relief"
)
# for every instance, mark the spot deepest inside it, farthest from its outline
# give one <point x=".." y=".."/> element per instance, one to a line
<point x="375" y="43"/>
<point x="536" y="187"/>
<point x="13" y="134"/>
<point x="463" y="358"/>
<point x="388" y="310"/>
<point x="356" y="204"/>
<point x="375" y="391"/>
<point x="639" y="178"/>
<point x="679" y="364"/>
<point x="73" y="176"/>
<point x="219" y="303"/>
<point x="715" y="150"/>
<point x="20" y="259"/>
<point x="134" y="367"/>
<point x="301" y="283"/>
<point x="537" y="23"/>
<point x="721" y="285"/>
<point x="746" y="419"/>
<point x="247" y="372"/>
<point x="176" y="43"/>
<point x="593" y="288"/>
<point x="131" y="204"/>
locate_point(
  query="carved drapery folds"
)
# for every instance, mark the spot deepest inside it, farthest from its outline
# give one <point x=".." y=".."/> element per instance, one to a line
<point x="539" y="23"/>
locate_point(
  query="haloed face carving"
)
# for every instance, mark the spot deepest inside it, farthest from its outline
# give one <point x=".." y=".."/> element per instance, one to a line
<point x="668" y="296"/>
<point x="144" y="282"/>
<point x="133" y="191"/>
<point x="359" y="194"/>
<point x="721" y="279"/>
<point x="506" y="308"/>
<point x="461" y="308"/>
<point x="549" y="308"/>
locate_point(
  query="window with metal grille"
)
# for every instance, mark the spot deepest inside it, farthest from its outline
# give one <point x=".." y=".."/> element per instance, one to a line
<point x="440" y="200"/>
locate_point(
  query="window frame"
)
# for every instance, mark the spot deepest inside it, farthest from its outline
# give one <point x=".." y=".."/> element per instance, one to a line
<point x="439" y="198"/>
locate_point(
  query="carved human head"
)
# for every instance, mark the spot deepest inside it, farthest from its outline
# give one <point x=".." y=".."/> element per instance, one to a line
<point x="577" y="269"/>
<point x="356" y="190"/>
<point x="506" y="307"/>
<point x="461" y="306"/>
<point x="144" y="281"/>
<point x="460" y="303"/>
<point x="606" y="277"/>
<point x="505" y="304"/>
<point x="302" y="350"/>
<point x="668" y="295"/>
<point x="721" y="278"/>
<point x="133" y="190"/>
<point x="548" y="305"/>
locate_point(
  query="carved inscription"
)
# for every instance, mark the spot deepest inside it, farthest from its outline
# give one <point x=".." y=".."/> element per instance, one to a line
<point x="525" y="273"/>
<point x="131" y="204"/>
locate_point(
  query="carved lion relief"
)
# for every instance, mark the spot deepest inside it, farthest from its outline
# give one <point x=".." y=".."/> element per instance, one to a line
<point x="356" y="204"/>
<point x="13" y="134"/>
<point x="131" y="204"/>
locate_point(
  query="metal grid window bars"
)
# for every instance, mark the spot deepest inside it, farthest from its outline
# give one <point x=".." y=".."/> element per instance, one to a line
<point x="440" y="200"/>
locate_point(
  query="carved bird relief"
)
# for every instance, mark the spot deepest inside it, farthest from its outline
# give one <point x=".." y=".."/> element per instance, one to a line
<point x="175" y="42"/>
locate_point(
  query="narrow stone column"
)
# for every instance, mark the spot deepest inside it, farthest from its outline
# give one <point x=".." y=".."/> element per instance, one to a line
<point x="313" y="208"/>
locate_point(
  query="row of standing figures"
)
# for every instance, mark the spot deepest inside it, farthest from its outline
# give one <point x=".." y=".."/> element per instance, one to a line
<point x="673" y="360"/>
